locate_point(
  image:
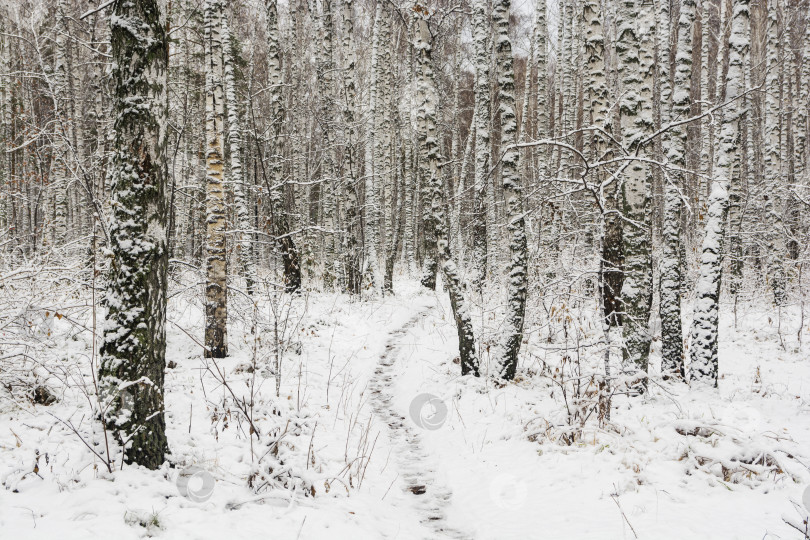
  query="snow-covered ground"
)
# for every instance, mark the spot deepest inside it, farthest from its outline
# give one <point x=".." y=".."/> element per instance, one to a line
<point x="478" y="460"/>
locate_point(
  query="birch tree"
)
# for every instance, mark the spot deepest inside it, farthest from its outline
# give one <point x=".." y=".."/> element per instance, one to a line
<point x="430" y="154"/>
<point x="775" y="240"/>
<point x="216" y="287"/>
<point x="703" y="367"/>
<point x="517" y="274"/>
<point x="351" y="219"/>
<point x="481" y="121"/>
<point x="674" y="182"/>
<point x="243" y="236"/>
<point x="133" y="352"/>
<point x="279" y="223"/>
<point x="634" y="45"/>
<point x="371" y="207"/>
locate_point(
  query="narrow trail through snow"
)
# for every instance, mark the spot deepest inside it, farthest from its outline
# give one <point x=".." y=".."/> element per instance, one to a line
<point x="430" y="497"/>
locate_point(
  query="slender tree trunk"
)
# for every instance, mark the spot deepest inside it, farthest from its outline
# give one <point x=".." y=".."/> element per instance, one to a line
<point x="280" y="227"/>
<point x="216" y="287"/>
<point x="371" y="174"/>
<point x="351" y="216"/>
<point x="775" y="240"/>
<point x="240" y="187"/>
<point x="481" y="123"/>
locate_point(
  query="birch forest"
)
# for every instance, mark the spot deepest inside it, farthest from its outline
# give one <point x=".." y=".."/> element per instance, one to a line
<point x="479" y="269"/>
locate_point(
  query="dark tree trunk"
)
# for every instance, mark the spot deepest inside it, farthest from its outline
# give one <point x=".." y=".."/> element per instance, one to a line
<point x="134" y="347"/>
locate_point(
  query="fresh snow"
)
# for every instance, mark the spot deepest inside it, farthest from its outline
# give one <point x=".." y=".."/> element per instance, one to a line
<point x="494" y="468"/>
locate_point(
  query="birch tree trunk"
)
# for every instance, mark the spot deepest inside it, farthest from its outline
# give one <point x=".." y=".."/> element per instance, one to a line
<point x="541" y="61"/>
<point x="280" y="226"/>
<point x="134" y="345"/>
<point x="481" y="123"/>
<point x="610" y="231"/>
<point x="240" y="187"/>
<point x="427" y="118"/>
<point x="674" y="184"/>
<point x="411" y="175"/>
<point x="428" y="144"/>
<point x="351" y="216"/>
<point x="636" y="25"/>
<point x="62" y="158"/>
<point x="216" y="287"/>
<point x="383" y="150"/>
<point x="704" y="332"/>
<point x="371" y="208"/>
<point x="512" y="331"/>
<point x="6" y="128"/>
<point x="775" y="240"/>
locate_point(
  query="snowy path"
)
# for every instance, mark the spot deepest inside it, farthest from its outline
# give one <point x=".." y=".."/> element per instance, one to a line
<point x="430" y="497"/>
<point x="471" y="472"/>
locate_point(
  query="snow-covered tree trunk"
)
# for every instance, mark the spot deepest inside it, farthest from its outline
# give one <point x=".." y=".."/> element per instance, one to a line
<point x="240" y="187"/>
<point x="566" y="63"/>
<point x="481" y="123"/>
<point x="597" y="90"/>
<point x="461" y="188"/>
<point x="775" y="241"/>
<point x="134" y="345"/>
<point x="596" y="106"/>
<point x="457" y="155"/>
<point x="803" y="110"/>
<point x="383" y="149"/>
<point x="6" y="127"/>
<point x="409" y="186"/>
<point x="541" y="62"/>
<point x="674" y="181"/>
<point x="636" y="26"/>
<point x="351" y="213"/>
<point x="426" y="90"/>
<point x="710" y="20"/>
<point x="428" y="142"/>
<point x="411" y="175"/>
<point x="280" y="226"/>
<point x="59" y="83"/>
<point x="704" y="332"/>
<point x="512" y="330"/>
<point x="371" y="223"/>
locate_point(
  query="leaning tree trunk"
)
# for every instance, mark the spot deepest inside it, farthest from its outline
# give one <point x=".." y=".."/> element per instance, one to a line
<point x="636" y="23"/>
<point x="426" y="96"/>
<point x="134" y="348"/>
<point x="704" y="332"/>
<point x="517" y="281"/>
<point x="216" y="287"/>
